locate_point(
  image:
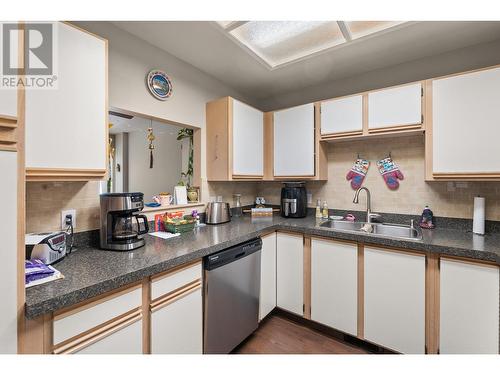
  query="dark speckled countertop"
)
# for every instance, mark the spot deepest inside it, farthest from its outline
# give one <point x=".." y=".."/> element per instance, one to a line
<point x="90" y="272"/>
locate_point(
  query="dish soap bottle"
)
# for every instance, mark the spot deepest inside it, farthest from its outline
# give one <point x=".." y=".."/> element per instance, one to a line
<point x="319" y="215"/>
<point x="427" y="219"/>
<point x="325" y="210"/>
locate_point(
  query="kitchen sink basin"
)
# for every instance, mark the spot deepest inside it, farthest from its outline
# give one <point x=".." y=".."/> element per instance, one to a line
<point x="378" y="229"/>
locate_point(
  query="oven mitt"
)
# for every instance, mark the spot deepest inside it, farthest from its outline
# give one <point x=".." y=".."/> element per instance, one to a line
<point x="357" y="173"/>
<point x="390" y="172"/>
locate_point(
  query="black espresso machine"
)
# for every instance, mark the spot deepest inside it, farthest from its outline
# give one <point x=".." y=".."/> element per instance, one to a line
<point x="121" y="227"/>
<point x="294" y="199"/>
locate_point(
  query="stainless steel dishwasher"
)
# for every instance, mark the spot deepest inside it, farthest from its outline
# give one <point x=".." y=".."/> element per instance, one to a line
<point x="232" y="286"/>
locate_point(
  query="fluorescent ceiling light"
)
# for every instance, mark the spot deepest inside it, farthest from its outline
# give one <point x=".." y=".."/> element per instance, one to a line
<point x="281" y="42"/>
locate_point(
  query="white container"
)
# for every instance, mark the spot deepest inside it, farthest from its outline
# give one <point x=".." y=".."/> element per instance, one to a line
<point x="479" y="215"/>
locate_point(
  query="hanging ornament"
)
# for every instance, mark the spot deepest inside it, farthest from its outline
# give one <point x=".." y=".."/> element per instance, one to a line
<point x="151" y="138"/>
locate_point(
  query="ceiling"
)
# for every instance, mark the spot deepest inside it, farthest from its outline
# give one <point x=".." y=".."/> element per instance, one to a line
<point x="208" y="47"/>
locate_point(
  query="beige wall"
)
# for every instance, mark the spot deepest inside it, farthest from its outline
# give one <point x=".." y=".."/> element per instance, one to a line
<point x="413" y="194"/>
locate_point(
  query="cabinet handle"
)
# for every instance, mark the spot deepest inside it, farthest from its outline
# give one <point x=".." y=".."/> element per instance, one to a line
<point x="97" y="334"/>
<point x="175" y="295"/>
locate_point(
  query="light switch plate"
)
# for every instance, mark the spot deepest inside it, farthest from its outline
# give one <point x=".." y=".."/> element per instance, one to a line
<point x="71" y="212"/>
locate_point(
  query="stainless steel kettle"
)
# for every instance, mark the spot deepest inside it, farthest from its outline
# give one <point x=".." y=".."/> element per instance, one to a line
<point x="218" y="213"/>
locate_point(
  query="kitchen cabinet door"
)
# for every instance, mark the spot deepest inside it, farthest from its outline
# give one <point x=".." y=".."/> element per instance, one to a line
<point x="267" y="300"/>
<point x="294" y="141"/>
<point x="395" y="107"/>
<point x="177" y="327"/>
<point x="469" y="305"/>
<point x="127" y="340"/>
<point x="290" y="272"/>
<point x="8" y="252"/>
<point x="343" y="115"/>
<point x="394" y="296"/>
<point x="66" y="127"/>
<point x="334" y="284"/>
<point x="248" y="140"/>
<point x="8" y="97"/>
<point x="465" y="125"/>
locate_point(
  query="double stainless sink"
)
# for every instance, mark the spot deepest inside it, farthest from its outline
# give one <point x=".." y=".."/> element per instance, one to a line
<point x="397" y="231"/>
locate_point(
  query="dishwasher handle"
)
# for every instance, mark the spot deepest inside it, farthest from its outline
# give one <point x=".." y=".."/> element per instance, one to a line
<point x="232" y="254"/>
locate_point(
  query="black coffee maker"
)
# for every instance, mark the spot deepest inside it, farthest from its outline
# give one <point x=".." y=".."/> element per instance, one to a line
<point x="294" y="199"/>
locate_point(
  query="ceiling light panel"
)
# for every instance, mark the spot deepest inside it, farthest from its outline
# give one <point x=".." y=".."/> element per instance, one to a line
<point x="360" y="29"/>
<point x="279" y="42"/>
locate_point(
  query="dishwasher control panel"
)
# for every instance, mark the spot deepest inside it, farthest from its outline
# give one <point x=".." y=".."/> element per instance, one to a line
<point x="230" y="254"/>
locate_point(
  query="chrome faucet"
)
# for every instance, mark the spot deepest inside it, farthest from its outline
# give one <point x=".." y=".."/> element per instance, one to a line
<point x="369" y="214"/>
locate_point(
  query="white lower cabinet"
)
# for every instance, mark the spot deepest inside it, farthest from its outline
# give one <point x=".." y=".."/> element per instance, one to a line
<point x="177" y="328"/>
<point x="394" y="296"/>
<point x="290" y="272"/>
<point x="334" y="284"/>
<point x="469" y="308"/>
<point x="127" y="340"/>
<point x="267" y="301"/>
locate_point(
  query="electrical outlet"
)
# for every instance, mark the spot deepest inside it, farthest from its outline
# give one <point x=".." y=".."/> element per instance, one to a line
<point x="71" y="212"/>
<point x="451" y="186"/>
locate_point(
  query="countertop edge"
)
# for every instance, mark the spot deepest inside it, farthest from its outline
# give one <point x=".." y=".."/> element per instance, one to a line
<point x="77" y="296"/>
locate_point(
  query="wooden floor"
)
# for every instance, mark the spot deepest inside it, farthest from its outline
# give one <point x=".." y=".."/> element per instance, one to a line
<point x="279" y="335"/>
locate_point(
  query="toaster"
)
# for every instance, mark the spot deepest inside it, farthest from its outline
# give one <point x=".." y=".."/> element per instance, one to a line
<point x="218" y="213"/>
<point x="48" y="247"/>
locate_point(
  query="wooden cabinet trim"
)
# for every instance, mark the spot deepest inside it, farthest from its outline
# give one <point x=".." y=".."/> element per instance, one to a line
<point x="146" y="316"/>
<point x="432" y="304"/>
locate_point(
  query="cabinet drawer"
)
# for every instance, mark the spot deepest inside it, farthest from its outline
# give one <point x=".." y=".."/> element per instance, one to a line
<point x="68" y="324"/>
<point x="125" y="340"/>
<point x="169" y="282"/>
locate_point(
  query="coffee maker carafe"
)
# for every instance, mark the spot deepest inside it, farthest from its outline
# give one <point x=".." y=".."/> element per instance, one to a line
<point x="294" y="199"/>
<point x="120" y="223"/>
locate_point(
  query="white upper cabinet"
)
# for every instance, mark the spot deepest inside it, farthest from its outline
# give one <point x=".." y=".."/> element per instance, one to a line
<point x="290" y="272"/>
<point x="395" y="300"/>
<point x="343" y="115"/>
<point x="394" y="107"/>
<point x="8" y="97"/>
<point x="66" y="127"/>
<point x="469" y="305"/>
<point x="294" y="141"/>
<point x="466" y="124"/>
<point x="334" y="284"/>
<point x="248" y="140"/>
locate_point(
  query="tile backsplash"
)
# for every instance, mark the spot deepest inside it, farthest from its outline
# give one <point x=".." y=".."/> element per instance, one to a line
<point x="45" y="200"/>
<point x="445" y="199"/>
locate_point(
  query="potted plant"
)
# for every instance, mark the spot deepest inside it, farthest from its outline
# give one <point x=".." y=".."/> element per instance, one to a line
<point x="192" y="191"/>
